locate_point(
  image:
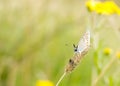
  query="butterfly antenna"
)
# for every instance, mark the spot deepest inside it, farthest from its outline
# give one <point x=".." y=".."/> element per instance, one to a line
<point x="75" y="47"/>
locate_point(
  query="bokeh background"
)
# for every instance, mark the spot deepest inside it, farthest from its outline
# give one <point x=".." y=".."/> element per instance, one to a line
<point x="36" y="38"/>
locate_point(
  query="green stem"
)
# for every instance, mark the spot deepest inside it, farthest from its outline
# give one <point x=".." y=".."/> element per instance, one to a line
<point x="104" y="71"/>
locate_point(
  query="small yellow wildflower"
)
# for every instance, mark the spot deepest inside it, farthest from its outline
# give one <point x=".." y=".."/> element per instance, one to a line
<point x="118" y="54"/>
<point x="107" y="51"/>
<point x="91" y="5"/>
<point x="44" y="83"/>
<point x="106" y="7"/>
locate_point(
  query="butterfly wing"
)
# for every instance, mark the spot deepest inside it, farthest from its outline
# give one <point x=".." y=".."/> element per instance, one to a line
<point x="84" y="43"/>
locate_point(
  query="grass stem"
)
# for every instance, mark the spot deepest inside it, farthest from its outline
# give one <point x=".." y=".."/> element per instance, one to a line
<point x="61" y="78"/>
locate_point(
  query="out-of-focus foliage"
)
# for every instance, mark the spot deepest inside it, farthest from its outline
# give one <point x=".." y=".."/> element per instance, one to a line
<point x="36" y="38"/>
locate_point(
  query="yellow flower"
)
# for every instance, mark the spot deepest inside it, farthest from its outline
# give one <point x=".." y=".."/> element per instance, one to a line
<point x="118" y="54"/>
<point x="91" y="5"/>
<point x="44" y="83"/>
<point x="106" y="7"/>
<point x="107" y="51"/>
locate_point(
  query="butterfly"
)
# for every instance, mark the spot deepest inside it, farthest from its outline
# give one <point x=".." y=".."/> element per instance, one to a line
<point x="84" y="43"/>
<point x="80" y="50"/>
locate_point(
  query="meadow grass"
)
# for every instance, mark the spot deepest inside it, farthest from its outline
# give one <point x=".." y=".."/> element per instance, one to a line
<point x="36" y="38"/>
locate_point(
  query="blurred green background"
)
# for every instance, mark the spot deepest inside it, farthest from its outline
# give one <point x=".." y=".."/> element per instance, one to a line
<point x="36" y="38"/>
